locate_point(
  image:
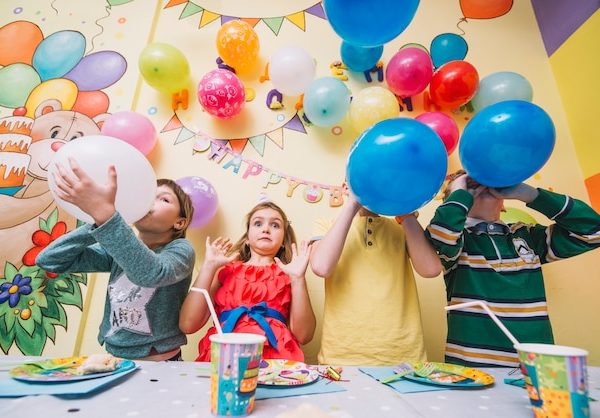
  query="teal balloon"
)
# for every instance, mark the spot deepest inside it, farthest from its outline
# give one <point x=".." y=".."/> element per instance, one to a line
<point x="359" y="58"/>
<point x="396" y="166"/>
<point x="16" y="82"/>
<point x="506" y="143"/>
<point x="326" y="101"/>
<point x="448" y="47"/>
<point x="501" y="86"/>
<point x="58" y="54"/>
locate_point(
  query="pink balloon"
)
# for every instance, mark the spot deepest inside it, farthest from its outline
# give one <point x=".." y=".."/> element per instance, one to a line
<point x="409" y="72"/>
<point x="221" y="93"/>
<point x="133" y="128"/>
<point x="444" y="126"/>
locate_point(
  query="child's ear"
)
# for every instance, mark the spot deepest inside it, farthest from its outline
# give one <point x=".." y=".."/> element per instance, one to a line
<point x="179" y="224"/>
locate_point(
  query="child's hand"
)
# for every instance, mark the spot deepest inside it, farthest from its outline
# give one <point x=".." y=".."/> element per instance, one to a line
<point x="216" y="252"/>
<point x="297" y="267"/>
<point x="521" y="191"/>
<point x="81" y="190"/>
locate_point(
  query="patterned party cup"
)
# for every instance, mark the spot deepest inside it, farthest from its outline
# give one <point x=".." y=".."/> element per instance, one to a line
<point x="234" y="360"/>
<point x="556" y="379"/>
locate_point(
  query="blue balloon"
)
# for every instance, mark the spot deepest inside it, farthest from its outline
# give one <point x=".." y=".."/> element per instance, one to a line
<point x="396" y="166"/>
<point x="58" y="54"/>
<point x="326" y="101"/>
<point x="506" y="143"/>
<point x="359" y="58"/>
<point x="499" y="87"/>
<point x="369" y="23"/>
<point x="448" y="47"/>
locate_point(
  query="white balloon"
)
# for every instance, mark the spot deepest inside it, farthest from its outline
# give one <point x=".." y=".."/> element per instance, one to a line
<point x="291" y="69"/>
<point x="136" y="181"/>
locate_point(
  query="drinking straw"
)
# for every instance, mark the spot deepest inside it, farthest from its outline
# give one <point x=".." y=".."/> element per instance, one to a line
<point x="211" y="308"/>
<point x="492" y="315"/>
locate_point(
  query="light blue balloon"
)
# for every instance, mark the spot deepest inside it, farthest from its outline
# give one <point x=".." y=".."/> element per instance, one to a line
<point x="359" y="58"/>
<point x="369" y="23"/>
<point x="448" y="47"/>
<point x="501" y="86"/>
<point x="396" y="166"/>
<point x="506" y="143"/>
<point x="56" y="55"/>
<point x="326" y="101"/>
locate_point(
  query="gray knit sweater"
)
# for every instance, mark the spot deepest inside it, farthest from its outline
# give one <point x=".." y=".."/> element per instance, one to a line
<point x="146" y="288"/>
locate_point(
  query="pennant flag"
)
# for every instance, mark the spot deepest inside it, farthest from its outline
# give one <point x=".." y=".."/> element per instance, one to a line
<point x="172" y="3"/>
<point x="258" y="142"/>
<point x="238" y="145"/>
<point x="295" y="124"/>
<point x="208" y="17"/>
<point x="118" y="2"/>
<point x="225" y="19"/>
<point x="172" y="124"/>
<point x="274" y="23"/>
<point x="317" y="10"/>
<point x="183" y="136"/>
<point x="252" y="21"/>
<point x="189" y="10"/>
<point x="298" y="19"/>
<point x="276" y="136"/>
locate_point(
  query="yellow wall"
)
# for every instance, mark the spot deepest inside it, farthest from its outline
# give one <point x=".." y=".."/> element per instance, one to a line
<point x="509" y="43"/>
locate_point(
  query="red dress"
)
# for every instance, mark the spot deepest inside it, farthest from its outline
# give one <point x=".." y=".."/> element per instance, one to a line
<point x="248" y="285"/>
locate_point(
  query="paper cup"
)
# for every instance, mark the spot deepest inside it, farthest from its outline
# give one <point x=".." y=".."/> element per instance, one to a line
<point x="556" y="379"/>
<point x="234" y="360"/>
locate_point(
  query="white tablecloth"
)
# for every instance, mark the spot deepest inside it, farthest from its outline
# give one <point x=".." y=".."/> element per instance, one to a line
<point x="180" y="389"/>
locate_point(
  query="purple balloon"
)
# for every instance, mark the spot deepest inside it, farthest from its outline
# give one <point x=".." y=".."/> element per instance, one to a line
<point x="204" y="198"/>
<point x="98" y="70"/>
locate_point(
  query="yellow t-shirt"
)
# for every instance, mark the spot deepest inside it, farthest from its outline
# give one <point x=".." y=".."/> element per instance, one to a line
<point x="372" y="314"/>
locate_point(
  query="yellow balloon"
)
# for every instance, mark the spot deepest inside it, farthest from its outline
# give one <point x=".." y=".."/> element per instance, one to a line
<point x="372" y="105"/>
<point x="63" y="90"/>
<point x="164" y="67"/>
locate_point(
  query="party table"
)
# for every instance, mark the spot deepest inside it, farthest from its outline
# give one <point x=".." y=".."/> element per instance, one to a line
<point x="182" y="389"/>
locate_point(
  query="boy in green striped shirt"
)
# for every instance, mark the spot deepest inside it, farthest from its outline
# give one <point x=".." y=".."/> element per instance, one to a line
<point x="485" y="259"/>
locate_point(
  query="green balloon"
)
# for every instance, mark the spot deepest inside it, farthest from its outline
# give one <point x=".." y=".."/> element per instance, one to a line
<point x="16" y="82"/>
<point x="514" y="215"/>
<point x="164" y="67"/>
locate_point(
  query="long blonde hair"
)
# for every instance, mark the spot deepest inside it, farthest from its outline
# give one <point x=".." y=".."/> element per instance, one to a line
<point x="289" y="237"/>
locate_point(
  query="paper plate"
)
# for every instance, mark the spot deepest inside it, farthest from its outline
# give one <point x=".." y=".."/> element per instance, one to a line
<point x="285" y="373"/>
<point x="454" y="375"/>
<point x="48" y="371"/>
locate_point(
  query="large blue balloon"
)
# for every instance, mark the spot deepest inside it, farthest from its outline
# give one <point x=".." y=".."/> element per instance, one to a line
<point x="448" y="47"/>
<point x="58" y="54"/>
<point x="360" y="58"/>
<point x="506" y="143"/>
<point x="369" y="23"/>
<point x="396" y="166"/>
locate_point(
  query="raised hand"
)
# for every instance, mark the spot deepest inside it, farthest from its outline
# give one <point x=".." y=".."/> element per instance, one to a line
<point x="216" y="252"/>
<point x="81" y="190"/>
<point x="521" y="191"/>
<point x="296" y="268"/>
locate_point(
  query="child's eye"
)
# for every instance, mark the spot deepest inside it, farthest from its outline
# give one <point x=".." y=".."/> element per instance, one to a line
<point x="257" y="223"/>
<point x="275" y="225"/>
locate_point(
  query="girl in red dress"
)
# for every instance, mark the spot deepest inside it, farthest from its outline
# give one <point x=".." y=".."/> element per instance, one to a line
<point x="257" y="285"/>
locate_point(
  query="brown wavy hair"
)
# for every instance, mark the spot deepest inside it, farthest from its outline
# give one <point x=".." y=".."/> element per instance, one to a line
<point x="289" y="237"/>
<point x="186" y="208"/>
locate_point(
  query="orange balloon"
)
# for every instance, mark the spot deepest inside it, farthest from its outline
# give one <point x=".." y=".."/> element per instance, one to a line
<point x="485" y="9"/>
<point x="18" y="41"/>
<point x="91" y="103"/>
<point x="238" y="44"/>
<point x="453" y="84"/>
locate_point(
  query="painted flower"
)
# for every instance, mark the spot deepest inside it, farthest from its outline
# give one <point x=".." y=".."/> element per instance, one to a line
<point x="42" y="239"/>
<point x="13" y="291"/>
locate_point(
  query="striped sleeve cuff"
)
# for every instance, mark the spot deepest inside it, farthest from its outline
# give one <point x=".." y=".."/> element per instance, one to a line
<point x="553" y="205"/>
<point x="460" y="198"/>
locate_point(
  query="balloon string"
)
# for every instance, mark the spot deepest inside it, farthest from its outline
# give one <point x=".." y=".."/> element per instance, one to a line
<point x="107" y="8"/>
<point x="52" y="5"/>
<point x="462" y="20"/>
